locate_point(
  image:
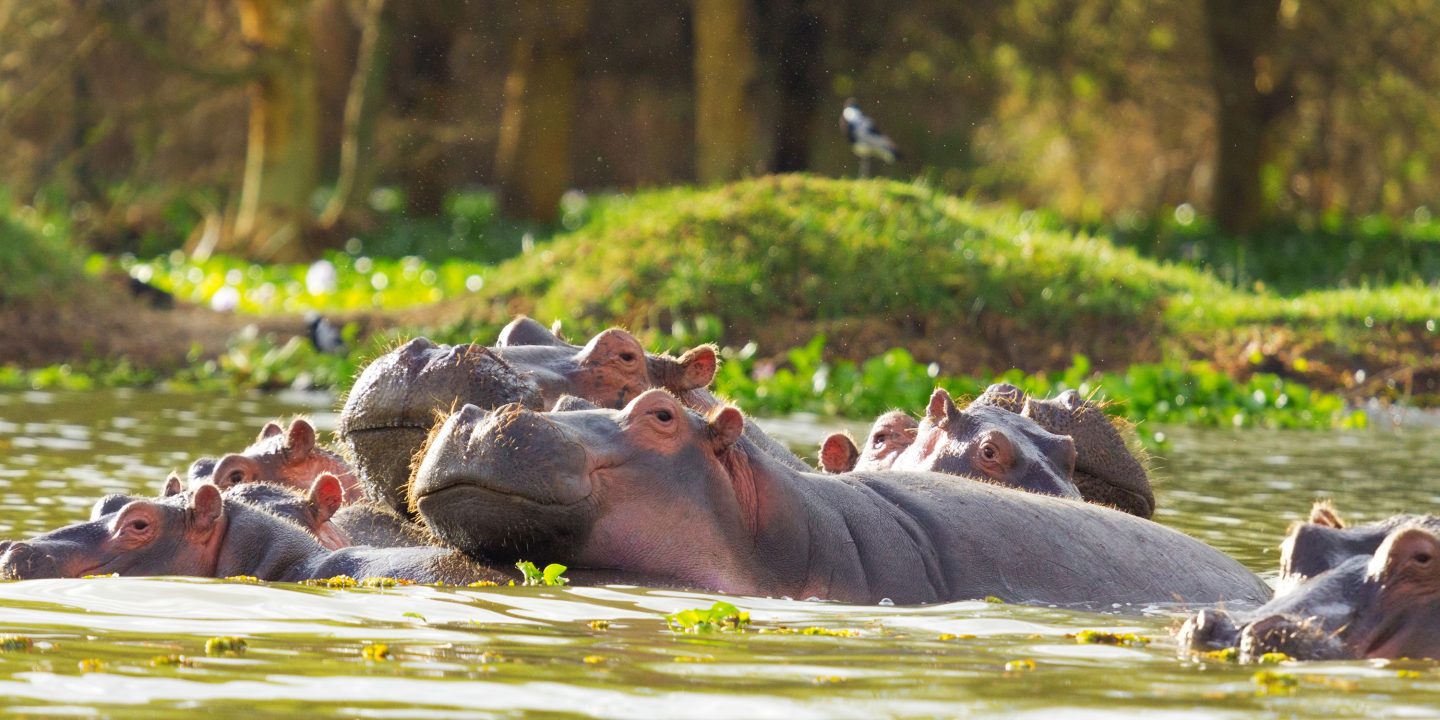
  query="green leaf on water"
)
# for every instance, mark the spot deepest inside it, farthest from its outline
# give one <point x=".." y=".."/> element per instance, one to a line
<point x="415" y="615"/>
<point x="553" y="574"/>
<point x="720" y="616"/>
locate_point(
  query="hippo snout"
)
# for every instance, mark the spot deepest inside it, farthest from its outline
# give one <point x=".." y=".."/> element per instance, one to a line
<point x="22" y="561"/>
<point x="1208" y="629"/>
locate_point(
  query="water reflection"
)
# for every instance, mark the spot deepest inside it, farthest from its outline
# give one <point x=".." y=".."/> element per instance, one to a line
<point x="502" y="652"/>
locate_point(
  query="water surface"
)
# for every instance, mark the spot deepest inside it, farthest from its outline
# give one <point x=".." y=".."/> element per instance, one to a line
<point x="107" y="646"/>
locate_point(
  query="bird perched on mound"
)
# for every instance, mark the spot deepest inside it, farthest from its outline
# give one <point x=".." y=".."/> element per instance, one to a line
<point x="324" y="335"/>
<point x="865" y="137"/>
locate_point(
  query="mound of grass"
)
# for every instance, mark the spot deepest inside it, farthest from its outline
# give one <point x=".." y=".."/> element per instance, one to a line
<point x="35" y="255"/>
<point x="808" y="248"/>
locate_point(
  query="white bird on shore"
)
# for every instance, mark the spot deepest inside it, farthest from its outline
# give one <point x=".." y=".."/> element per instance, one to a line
<point x="865" y="137"/>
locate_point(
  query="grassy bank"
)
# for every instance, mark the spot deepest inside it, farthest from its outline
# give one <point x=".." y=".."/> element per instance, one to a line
<point x="842" y="297"/>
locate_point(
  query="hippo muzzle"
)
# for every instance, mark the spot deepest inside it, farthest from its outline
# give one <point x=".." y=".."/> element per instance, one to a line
<point x="24" y="561"/>
<point x="505" y="485"/>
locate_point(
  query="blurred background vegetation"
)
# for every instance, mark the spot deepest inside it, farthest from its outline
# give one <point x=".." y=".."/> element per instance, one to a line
<point x="265" y="127"/>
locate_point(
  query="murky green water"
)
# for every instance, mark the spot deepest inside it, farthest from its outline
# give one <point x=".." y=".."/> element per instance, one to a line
<point x="529" y="651"/>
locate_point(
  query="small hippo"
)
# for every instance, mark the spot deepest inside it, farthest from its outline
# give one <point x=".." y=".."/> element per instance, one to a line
<point x="284" y="456"/>
<point x="1105" y="472"/>
<point x="657" y="490"/>
<point x="1384" y="604"/>
<point x="200" y="533"/>
<point x="889" y="436"/>
<point x="982" y="441"/>
<point x="320" y="510"/>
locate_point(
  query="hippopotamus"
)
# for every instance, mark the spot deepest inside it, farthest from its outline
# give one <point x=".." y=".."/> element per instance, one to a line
<point x="1105" y="471"/>
<point x="890" y="434"/>
<point x="200" y="533"/>
<point x="321" y="509"/>
<point x="981" y="441"/>
<point x="1382" y="604"/>
<point x="1324" y="542"/>
<point x="397" y="398"/>
<point x="285" y="456"/>
<point x="656" y="489"/>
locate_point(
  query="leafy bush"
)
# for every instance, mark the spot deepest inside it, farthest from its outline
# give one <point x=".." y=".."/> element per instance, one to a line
<point x="35" y="254"/>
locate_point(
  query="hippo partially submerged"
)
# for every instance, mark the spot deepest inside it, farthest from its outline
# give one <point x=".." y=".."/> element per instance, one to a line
<point x="199" y="533"/>
<point x="1104" y="471"/>
<point x="290" y="456"/>
<point x="658" y="490"/>
<point x="1380" y="604"/>
<point x="401" y="395"/>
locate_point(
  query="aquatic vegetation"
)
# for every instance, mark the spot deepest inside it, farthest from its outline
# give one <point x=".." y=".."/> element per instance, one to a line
<point x="718" y="617"/>
<point x="225" y="645"/>
<point x="599" y="624"/>
<point x="171" y="661"/>
<point x="1104" y="637"/>
<point x="247" y="579"/>
<point x="375" y="652"/>
<point x="415" y="615"/>
<point x="16" y="643"/>
<point x="1273" y="658"/>
<point x="812" y="630"/>
<point x="483" y="583"/>
<point x="1024" y="665"/>
<point x="337" y="582"/>
<point x="956" y="636"/>
<point x="89" y="665"/>
<point x="384" y="582"/>
<point x="593" y="659"/>
<point x="553" y="574"/>
<point x="1272" y="682"/>
<point x="1228" y="654"/>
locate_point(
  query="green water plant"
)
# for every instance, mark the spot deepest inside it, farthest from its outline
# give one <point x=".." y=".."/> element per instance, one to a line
<point x="225" y="645"/>
<point x="553" y="574"/>
<point x="1105" y="637"/>
<point x="718" y="617"/>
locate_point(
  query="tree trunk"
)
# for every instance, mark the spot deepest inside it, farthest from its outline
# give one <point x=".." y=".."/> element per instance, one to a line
<point x="282" y="145"/>
<point x="533" y="164"/>
<point x="725" y="68"/>
<point x="353" y="178"/>
<point x="1241" y="34"/>
<point x="799" y="61"/>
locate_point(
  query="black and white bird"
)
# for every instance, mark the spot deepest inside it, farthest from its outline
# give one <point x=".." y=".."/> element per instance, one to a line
<point x="324" y="335"/>
<point x="865" y="137"/>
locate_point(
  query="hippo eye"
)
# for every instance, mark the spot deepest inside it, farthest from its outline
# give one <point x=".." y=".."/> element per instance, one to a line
<point x="664" y="416"/>
<point x="139" y="525"/>
<point x="627" y="356"/>
<point x="236" y="477"/>
<point x="1422" y="558"/>
<point x="879" y="441"/>
<point x="988" y="451"/>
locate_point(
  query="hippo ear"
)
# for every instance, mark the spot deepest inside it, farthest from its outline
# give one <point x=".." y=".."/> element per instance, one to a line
<point x="525" y="331"/>
<point x="941" y="406"/>
<point x="326" y="495"/>
<point x="1323" y="513"/>
<point x="300" y="441"/>
<point x="838" y="454"/>
<point x="726" y="426"/>
<point x="271" y="429"/>
<point x="696" y="369"/>
<point x="206" y="507"/>
<point x="173" y="485"/>
<point x="108" y="504"/>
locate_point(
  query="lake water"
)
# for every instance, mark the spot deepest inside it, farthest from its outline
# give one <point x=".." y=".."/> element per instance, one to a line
<point x="109" y="646"/>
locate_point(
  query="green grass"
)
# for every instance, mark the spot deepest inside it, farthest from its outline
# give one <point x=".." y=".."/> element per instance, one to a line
<point x="36" y="255"/>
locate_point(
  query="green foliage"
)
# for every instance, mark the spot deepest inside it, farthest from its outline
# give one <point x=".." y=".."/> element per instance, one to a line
<point x="553" y="574"/>
<point x="1191" y="393"/>
<point x="719" y="617"/>
<point x="35" y="254"/>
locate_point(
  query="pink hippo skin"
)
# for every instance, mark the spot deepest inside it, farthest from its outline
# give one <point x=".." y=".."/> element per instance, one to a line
<point x="657" y="490"/>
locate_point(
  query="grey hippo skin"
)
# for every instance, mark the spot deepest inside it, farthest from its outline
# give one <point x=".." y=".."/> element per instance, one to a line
<point x="199" y="533"/>
<point x="1324" y="542"/>
<point x="1105" y="471"/>
<point x="400" y="396"/>
<point x="657" y="490"/>
<point x="979" y="442"/>
<point x="284" y="456"/>
<point x="1379" y="605"/>
<point x="320" y="510"/>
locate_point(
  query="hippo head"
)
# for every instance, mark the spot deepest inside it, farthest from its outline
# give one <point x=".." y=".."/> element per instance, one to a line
<point x="1106" y="471"/>
<point x="1324" y="542"/>
<point x="311" y="509"/>
<point x="143" y="537"/>
<point x="990" y="443"/>
<point x="401" y="395"/>
<point x="282" y="456"/>
<point x="1381" y="605"/>
<point x="889" y="436"/>
<point x="596" y="488"/>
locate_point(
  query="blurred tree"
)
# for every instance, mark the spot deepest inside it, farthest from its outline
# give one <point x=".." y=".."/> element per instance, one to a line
<point x="725" y="70"/>
<point x="282" y="147"/>
<point x="799" y="51"/>
<point x="355" y="172"/>
<point x="533" y="160"/>
<point x="1250" y="94"/>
